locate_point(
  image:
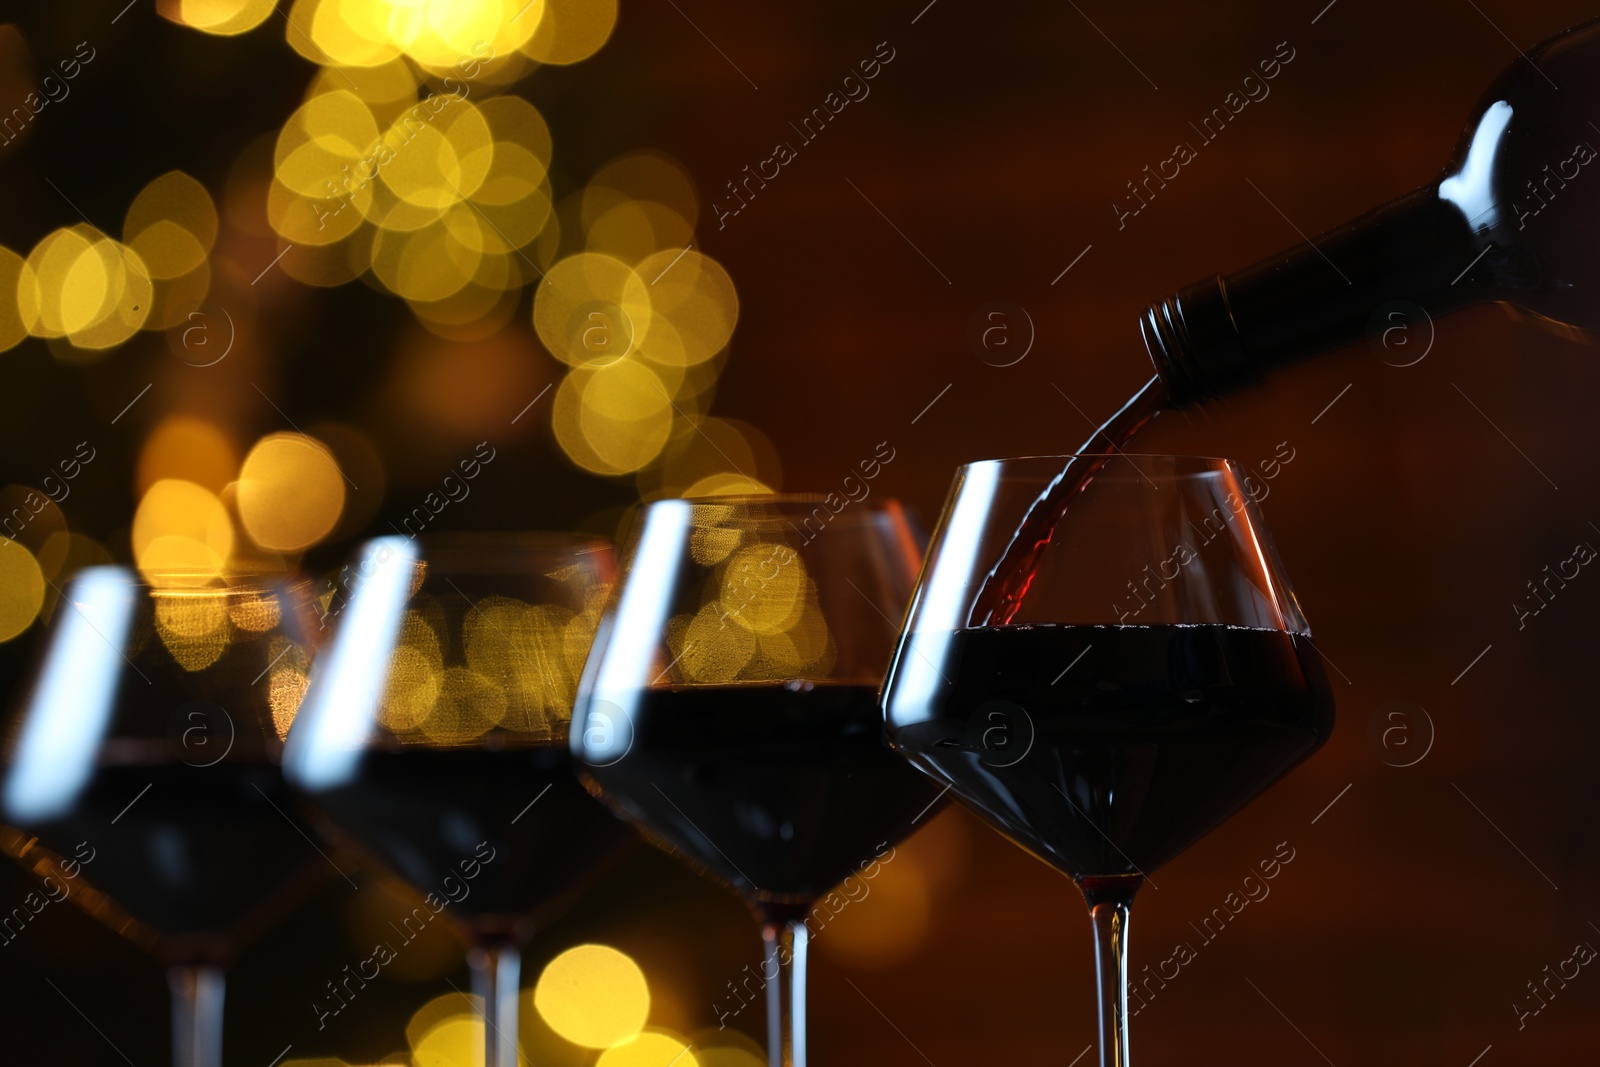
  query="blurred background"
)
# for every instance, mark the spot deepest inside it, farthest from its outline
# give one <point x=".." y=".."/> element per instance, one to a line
<point x="691" y="246"/>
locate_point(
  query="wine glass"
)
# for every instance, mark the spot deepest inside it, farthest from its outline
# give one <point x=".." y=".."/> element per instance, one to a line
<point x="433" y="738"/>
<point x="1156" y="676"/>
<point x="142" y="773"/>
<point x="729" y="707"/>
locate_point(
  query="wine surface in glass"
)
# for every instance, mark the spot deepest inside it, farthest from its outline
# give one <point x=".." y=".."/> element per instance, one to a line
<point x="1108" y="750"/>
<point x="187" y="851"/>
<point x="425" y="813"/>
<point x="781" y="790"/>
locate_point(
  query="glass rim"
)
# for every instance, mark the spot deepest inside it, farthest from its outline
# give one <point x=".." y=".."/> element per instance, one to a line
<point x="494" y="541"/>
<point x="488" y="552"/>
<point x="797" y="496"/>
<point x="791" y="503"/>
<point x="252" y="584"/>
<point x="1194" y="459"/>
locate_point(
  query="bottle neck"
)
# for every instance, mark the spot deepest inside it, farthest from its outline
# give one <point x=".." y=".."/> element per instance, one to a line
<point x="1415" y="255"/>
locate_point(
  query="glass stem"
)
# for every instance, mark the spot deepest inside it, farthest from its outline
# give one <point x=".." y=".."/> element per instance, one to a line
<point x="196" y="1015"/>
<point x="496" y="981"/>
<point x="1109" y="900"/>
<point x="784" y="972"/>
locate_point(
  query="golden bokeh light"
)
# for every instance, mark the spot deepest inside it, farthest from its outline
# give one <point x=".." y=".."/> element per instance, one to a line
<point x="764" y="587"/>
<point x="652" y="1048"/>
<point x="181" y="533"/>
<point x="193" y="625"/>
<point x="571" y="30"/>
<point x="519" y="127"/>
<point x="802" y="649"/>
<point x="21" y="588"/>
<point x="329" y="132"/>
<point x="437" y="34"/>
<point x="436" y="164"/>
<point x="408" y="166"/>
<point x="223" y="18"/>
<point x="12" y="327"/>
<point x="177" y="301"/>
<point x="387" y="88"/>
<point x="727" y="1048"/>
<point x="641" y="178"/>
<point x="172" y="226"/>
<point x="764" y="624"/>
<point x="359" y="458"/>
<point x="189" y="449"/>
<point x="612" y="419"/>
<point x="520" y="673"/>
<point x="472" y="313"/>
<point x="726" y="483"/>
<point x="30" y="516"/>
<point x="643" y="319"/>
<point x="289" y="676"/>
<point x="639" y="204"/>
<point x="63" y="554"/>
<point x="623" y="393"/>
<point x="416" y="675"/>
<point x="256" y="611"/>
<point x="594" y="996"/>
<point x="79" y="284"/>
<point x="712" y="457"/>
<point x="94" y="292"/>
<point x="711" y="543"/>
<point x="318" y="31"/>
<point x="522" y="648"/>
<point x="431" y="263"/>
<point x="706" y="650"/>
<point x="694" y="294"/>
<point x="169" y="250"/>
<point x="454" y="1041"/>
<point x="291" y="492"/>
<point x="590" y="309"/>
<point x="468" y="706"/>
<point x="177" y="200"/>
<point x="175" y="560"/>
<point x="414" y="683"/>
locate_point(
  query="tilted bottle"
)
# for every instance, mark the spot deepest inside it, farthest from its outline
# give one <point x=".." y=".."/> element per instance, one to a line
<point x="1514" y="219"/>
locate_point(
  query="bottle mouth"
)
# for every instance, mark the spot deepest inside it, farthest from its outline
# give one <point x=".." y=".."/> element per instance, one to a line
<point x="1162" y="328"/>
<point x="1194" y="344"/>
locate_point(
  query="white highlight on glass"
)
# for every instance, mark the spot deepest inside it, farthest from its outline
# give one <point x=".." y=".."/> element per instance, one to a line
<point x="628" y="656"/>
<point x="71" y="707"/>
<point x="944" y="601"/>
<point x="347" y="687"/>
<point x="1472" y="187"/>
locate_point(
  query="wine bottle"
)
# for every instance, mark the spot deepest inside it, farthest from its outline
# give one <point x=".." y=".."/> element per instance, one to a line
<point x="1514" y="219"/>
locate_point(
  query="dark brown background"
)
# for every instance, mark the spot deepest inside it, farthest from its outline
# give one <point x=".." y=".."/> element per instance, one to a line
<point x="996" y="142"/>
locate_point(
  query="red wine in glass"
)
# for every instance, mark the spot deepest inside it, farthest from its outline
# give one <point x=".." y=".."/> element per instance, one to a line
<point x="197" y="861"/>
<point x="434" y="737"/>
<point x="145" y="755"/>
<point x="517" y="816"/>
<point x="1154" y="737"/>
<point x="729" y="707"/>
<point x="780" y="791"/>
<point x="1152" y="674"/>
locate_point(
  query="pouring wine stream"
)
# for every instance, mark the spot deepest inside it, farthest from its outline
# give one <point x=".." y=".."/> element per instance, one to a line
<point x="1004" y="587"/>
